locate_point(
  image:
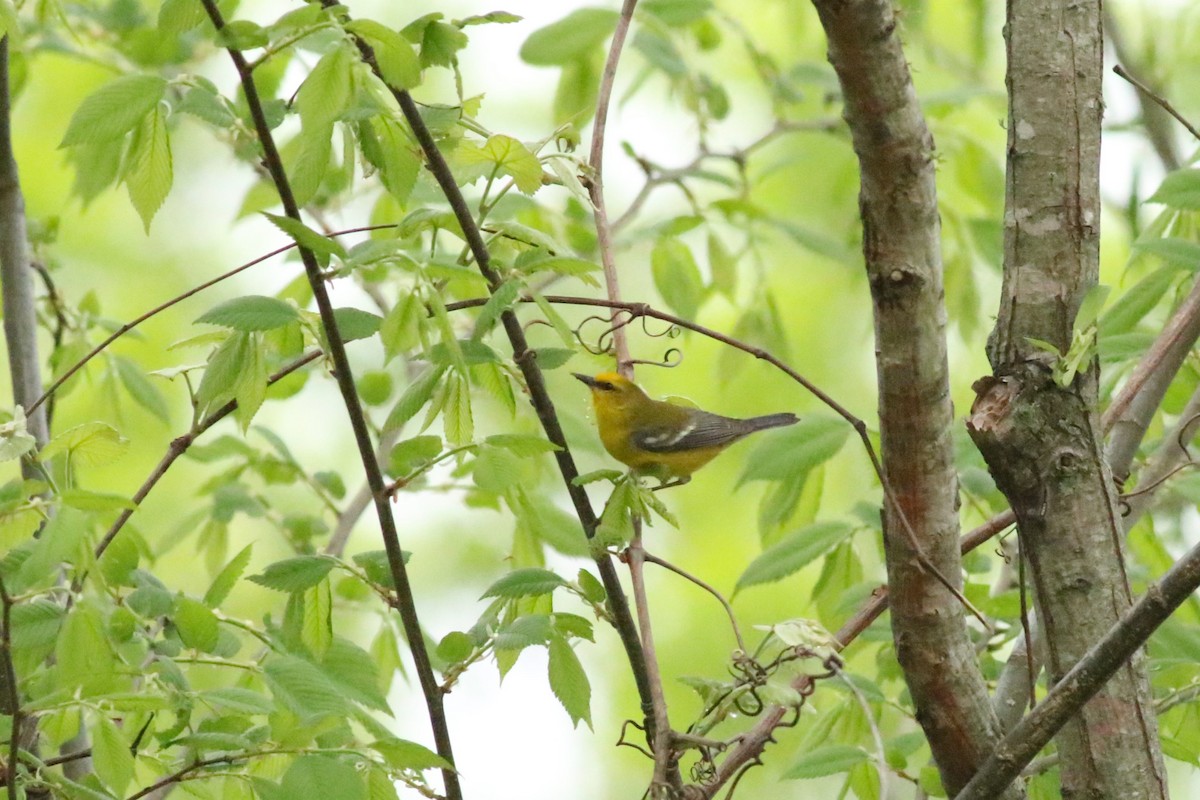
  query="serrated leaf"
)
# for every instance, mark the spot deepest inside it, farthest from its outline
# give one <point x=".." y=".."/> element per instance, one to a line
<point x="354" y="672"/>
<point x="223" y="584"/>
<point x="403" y="754"/>
<point x="306" y="236"/>
<point x="1173" y="250"/>
<point x="676" y="277"/>
<point x="149" y="170"/>
<point x="455" y="646"/>
<point x="569" y="682"/>
<point x="509" y="157"/>
<point x="414" y="399"/>
<point x="1180" y="189"/>
<point x="317" y="631"/>
<point x="198" y="627"/>
<point x="458" y="421"/>
<point x="822" y="761"/>
<point x="114" y="109"/>
<point x="412" y="453"/>
<point x="795" y="450"/>
<point x="295" y="574"/>
<point x="303" y="687"/>
<point x="141" y="388"/>
<point x="522" y="444"/>
<point x="495" y="470"/>
<point x="180" y="16"/>
<point x="316" y="777"/>
<point x="500" y="301"/>
<point x="527" y="582"/>
<point x="251" y="313"/>
<point x="354" y="323"/>
<point x="95" y="501"/>
<point x="111" y="755"/>
<point x="553" y="357"/>
<point x="238" y="700"/>
<point x="92" y="444"/>
<point x="794" y="552"/>
<point x="327" y="91"/>
<point x="569" y="38"/>
<point x="398" y="63"/>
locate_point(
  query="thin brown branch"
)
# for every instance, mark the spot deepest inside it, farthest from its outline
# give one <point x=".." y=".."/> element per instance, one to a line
<point x="12" y="698"/>
<point x="535" y="383"/>
<point x="1089" y="674"/>
<point x="179" y="446"/>
<point x="128" y="326"/>
<point x="737" y="633"/>
<point x="596" y="182"/>
<point x="1166" y="106"/>
<point x="344" y="377"/>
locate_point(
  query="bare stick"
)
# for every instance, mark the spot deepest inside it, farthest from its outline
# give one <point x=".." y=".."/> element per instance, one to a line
<point x="1146" y="90"/>
<point x="344" y="376"/>
<point x="737" y="633"/>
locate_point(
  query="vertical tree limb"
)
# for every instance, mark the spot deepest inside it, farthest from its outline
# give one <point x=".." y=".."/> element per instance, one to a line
<point x="1042" y="441"/>
<point x="901" y="227"/>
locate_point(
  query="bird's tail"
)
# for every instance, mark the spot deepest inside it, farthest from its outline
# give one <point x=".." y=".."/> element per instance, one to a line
<point x="772" y="421"/>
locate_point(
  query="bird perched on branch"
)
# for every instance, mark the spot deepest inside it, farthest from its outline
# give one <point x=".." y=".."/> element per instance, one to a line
<point x="664" y="440"/>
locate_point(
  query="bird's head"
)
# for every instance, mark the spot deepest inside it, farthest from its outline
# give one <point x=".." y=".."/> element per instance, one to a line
<point x="612" y="389"/>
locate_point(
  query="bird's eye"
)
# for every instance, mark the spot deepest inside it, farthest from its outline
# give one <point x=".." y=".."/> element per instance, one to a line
<point x="605" y="385"/>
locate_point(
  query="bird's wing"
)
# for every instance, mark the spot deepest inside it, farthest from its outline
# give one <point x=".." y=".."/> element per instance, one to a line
<point x="701" y="430"/>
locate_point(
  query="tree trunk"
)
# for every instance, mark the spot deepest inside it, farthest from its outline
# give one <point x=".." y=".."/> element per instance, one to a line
<point x="1042" y="441"/>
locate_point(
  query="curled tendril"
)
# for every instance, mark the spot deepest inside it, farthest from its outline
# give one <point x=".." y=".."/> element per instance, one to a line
<point x="622" y="742"/>
<point x="671" y="359"/>
<point x="603" y="343"/>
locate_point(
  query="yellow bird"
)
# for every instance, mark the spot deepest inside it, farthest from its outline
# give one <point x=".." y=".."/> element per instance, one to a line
<point x="660" y="439"/>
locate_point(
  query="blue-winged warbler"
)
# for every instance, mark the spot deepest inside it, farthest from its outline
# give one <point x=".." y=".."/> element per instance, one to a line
<point x="664" y="440"/>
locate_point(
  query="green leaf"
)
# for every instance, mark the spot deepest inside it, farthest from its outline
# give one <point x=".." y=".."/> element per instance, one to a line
<point x="251" y="313"/>
<point x="510" y="157"/>
<point x="303" y="687"/>
<point x="400" y="329"/>
<point x="354" y="672"/>
<point x="396" y="157"/>
<point x="238" y="700"/>
<point x="569" y="682"/>
<point x="458" y="421"/>
<point x="553" y="357"/>
<point x="678" y="13"/>
<point x="111" y="755"/>
<point x="723" y="267"/>
<point x="148" y="166"/>
<point x="316" y="633"/>
<point x="378" y="567"/>
<point x="828" y="760"/>
<point x="180" y="16"/>
<point x="242" y="34"/>
<point x="316" y="777"/>
<point x="522" y="444"/>
<point x="439" y="41"/>
<point x="198" y="627"/>
<point x="412" y="453"/>
<point x="307" y="237"/>
<point x="500" y="301"/>
<point x="114" y="109"/>
<point x="1137" y="302"/>
<point x="397" y="61"/>
<point x="295" y="574"/>
<point x="794" y="552"/>
<point x="527" y="582"/>
<point x="571" y="37"/>
<point x="403" y="754"/>
<point x="1172" y="250"/>
<point x="1180" y="189"/>
<point x="92" y="444"/>
<point x="354" y="323"/>
<point x="95" y="501"/>
<point x="676" y="277"/>
<point x="455" y="646"/>
<point x="141" y="388"/>
<point x="414" y="399"/>
<point x="795" y="450"/>
<point x="327" y="91"/>
<point x="223" y="584"/>
<point x="495" y="470"/>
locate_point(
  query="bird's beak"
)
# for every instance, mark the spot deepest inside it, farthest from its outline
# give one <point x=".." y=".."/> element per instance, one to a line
<point x="589" y="380"/>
